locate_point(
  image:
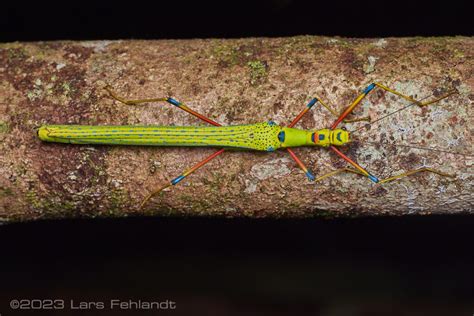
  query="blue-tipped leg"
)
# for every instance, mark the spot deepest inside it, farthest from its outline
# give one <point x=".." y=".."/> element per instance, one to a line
<point x="373" y="178"/>
<point x="176" y="180"/>
<point x="312" y="102"/>
<point x="310" y="176"/>
<point x="173" y="101"/>
<point x="369" y="88"/>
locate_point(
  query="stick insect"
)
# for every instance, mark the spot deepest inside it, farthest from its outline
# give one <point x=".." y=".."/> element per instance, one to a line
<point x="267" y="136"/>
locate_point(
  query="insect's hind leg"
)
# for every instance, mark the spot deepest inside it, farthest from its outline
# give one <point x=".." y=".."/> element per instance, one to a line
<point x="389" y="179"/>
<point x="131" y="102"/>
<point x="419" y="103"/>
<point x="172" y="101"/>
<point x="412" y="172"/>
<point x="181" y="177"/>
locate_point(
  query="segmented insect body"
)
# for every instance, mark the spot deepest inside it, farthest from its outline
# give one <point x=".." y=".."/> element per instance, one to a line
<point x="266" y="136"/>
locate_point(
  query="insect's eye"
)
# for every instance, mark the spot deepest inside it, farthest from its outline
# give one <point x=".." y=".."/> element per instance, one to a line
<point x="343" y="128"/>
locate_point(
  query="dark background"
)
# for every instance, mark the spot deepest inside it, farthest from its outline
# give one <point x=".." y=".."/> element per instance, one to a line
<point x="390" y="266"/>
<point x="107" y="19"/>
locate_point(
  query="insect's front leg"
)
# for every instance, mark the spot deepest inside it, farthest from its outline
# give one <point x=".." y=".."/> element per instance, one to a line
<point x="374" y="85"/>
<point x="308" y="107"/>
<point x="318" y="100"/>
<point x="336" y="114"/>
<point x="419" y="103"/>
<point x="412" y="172"/>
<point x="389" y="179"/>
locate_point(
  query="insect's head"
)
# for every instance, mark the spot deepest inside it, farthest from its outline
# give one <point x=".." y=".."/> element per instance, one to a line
<point x="340" y="136"/>
<point x="327" y="137"/>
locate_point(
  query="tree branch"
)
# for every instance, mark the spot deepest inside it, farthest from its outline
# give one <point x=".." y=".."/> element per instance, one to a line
<point x="235" y="81"/>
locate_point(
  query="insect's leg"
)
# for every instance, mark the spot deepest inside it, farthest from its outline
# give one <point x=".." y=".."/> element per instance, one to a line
<point x="365" y="118"/>
<point x="411" y="172"/>
<point x="351" y="107"/>
<point x="313" y="102"/>
<point x="182" y="176"/>
<point x="298" y="161"/>
<point x="405" y="174"/>
<point x="172" y="101"/>
<point x="306" y="171"/>
<point x="303" y="112"/>
<point x="131" y="102"/>
<point x="356" y="165"/>
<point x="297" y="119"/>
<point x="419" y="103"/>
<point x="371" y="87"/>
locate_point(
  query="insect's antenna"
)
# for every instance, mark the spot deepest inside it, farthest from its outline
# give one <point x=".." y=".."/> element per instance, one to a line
<point x="451" y="92"/>
<point x="416" y="146"/>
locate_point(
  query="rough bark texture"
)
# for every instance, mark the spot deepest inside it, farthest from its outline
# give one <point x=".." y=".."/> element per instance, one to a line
<point x="233" y="82"/>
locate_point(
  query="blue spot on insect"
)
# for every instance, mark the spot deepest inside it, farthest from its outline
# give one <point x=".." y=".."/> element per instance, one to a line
<point x="338" y="136"/>
<point x="281" y="136"/>
<point x="321" y="136"/>
<point x="270" y="148"/>
<point x="271" y="123"/>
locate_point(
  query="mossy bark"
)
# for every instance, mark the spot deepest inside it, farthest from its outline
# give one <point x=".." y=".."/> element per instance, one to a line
<point x="234" y="82"/>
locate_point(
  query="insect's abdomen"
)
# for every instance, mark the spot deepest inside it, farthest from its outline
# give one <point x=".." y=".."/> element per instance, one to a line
<point x="261" y="136"/>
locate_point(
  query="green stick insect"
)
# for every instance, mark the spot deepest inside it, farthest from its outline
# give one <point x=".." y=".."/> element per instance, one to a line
<point x="267" y="136"/>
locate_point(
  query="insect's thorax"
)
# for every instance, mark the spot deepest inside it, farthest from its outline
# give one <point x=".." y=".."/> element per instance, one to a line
<point x="269" y="136"/>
